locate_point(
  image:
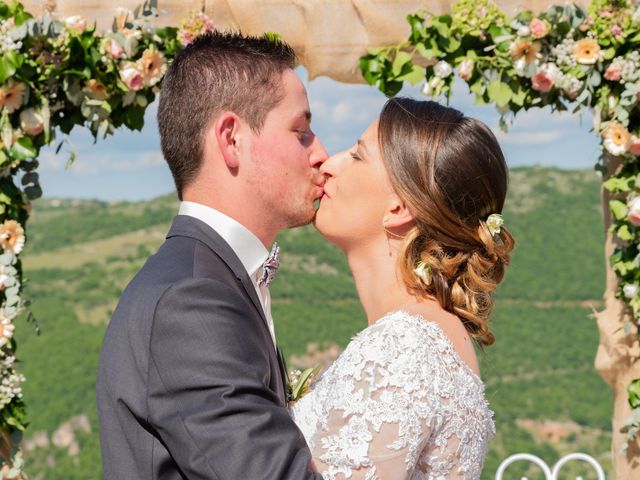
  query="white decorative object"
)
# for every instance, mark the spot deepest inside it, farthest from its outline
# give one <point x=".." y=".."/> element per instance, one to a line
<point x="553" y="473"/>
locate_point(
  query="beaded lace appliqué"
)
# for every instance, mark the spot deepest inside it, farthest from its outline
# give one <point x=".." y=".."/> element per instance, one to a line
<point x="398" y="400"/>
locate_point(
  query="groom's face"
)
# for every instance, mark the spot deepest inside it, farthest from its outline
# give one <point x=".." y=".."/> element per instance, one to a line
<point x="286" y="157"/>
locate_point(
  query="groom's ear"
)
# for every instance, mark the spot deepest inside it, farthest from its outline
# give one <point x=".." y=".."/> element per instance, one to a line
<point x="398" y="214"/>
<point x="226" y="130"/>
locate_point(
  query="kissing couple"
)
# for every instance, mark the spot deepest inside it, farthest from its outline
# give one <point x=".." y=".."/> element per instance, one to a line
<point x="190" y="383"/>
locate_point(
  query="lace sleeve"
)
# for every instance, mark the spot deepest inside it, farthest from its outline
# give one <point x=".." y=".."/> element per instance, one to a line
<point x="380" y="419"/>
<point x="392" y="409"/>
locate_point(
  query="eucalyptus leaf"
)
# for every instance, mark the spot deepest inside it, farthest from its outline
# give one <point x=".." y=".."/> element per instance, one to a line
<point x="34" y="192"/>
<point x="402" y="58"/>
<point x="500" y="93"/>
<point x="23" y="149"/>
<point x="416" y="75"/>
<point x="624" y="233"/>
<point x="633" y="392"/>
<point x="619" y="209"/>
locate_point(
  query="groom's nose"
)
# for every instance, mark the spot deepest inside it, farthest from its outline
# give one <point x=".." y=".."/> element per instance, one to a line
<point x="318" y="155"/>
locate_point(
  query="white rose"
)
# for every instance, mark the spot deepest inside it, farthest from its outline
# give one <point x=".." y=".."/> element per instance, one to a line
<point x="525" y="69"/>
<point x="31" y="122"/>
<point x="429" y="87"/>
<point x="630" y="290"/>
<point x="524" y="31"/>
<point x="552" y="72"/>
<point x="442" y="69"/>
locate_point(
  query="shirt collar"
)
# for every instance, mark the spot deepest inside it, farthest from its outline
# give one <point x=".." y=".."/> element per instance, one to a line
<point x="249" y="249"/>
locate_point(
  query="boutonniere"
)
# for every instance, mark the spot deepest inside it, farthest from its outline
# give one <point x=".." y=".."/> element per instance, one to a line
<point x="300" y="383"/>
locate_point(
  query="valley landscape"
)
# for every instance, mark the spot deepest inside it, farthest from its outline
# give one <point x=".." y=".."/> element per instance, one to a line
<point x="540" y="380"/>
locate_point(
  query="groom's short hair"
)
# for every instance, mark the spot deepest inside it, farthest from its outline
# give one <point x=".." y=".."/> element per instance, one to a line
<point x="219" y="71"/>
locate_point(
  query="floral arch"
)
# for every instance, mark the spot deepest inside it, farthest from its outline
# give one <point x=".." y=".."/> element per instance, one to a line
<point x="55" y="75"/>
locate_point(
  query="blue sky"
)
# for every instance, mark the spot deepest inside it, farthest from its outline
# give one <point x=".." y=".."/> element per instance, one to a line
<point x="129" y="165"/>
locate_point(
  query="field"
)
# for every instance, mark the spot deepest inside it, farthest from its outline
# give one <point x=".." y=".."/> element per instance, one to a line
<point x="540" y="381"/>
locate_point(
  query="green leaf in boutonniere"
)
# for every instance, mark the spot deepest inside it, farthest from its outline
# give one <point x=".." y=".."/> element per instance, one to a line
<point x="300" y="382"/>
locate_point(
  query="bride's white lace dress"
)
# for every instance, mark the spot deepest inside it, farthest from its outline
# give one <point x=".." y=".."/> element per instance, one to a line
<point x="399" y="403"/>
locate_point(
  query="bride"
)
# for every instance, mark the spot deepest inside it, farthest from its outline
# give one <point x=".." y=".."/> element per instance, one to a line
<point x="415" y="206"/>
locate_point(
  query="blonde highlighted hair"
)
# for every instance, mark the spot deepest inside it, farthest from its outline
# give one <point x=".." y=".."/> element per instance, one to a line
<point x="450" y="171"/>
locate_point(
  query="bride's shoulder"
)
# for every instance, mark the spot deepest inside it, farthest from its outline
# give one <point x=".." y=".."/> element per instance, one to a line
<point x="395" y="332"/>
<point x="405" y="338"/>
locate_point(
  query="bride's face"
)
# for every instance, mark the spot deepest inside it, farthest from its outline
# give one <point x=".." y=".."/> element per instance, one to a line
<point x="356" y="193"/>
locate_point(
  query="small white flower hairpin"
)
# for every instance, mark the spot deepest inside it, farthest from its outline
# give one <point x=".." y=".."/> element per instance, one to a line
<point x="494" y="223"/>
<point x="423" y="272"/>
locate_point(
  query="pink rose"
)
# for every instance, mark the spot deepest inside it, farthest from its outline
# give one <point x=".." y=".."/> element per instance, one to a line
<point x="634" y="211"/>
<point x="613" y="72"/>
<point x="539" y="28"/>
<point x="131" y="76"/>
<point x="546" y="77"/>
<point x="616" y="31"/>
<point x="113" y="48"/>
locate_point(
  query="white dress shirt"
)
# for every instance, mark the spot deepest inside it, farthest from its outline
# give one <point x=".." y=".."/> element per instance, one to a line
<point x="248" y="248"/>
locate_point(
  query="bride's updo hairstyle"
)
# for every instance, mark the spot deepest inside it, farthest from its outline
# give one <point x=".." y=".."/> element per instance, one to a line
<point x="450" y="171"/>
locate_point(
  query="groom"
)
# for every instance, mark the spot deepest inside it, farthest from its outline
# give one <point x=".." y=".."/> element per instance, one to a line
<point x="190" y="385"/>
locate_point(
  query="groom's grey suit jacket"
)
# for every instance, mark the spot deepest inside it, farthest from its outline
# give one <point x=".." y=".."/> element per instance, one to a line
<point x="189" y="384"/>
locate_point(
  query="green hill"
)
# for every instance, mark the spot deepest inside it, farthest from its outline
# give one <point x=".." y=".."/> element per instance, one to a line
<point x="540" y="379"/>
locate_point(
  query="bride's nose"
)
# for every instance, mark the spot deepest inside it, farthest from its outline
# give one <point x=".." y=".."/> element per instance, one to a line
<point x="331" y="166"/>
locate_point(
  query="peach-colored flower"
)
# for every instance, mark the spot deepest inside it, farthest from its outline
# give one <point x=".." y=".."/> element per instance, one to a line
<point x="634" y="145"/>
<point x="634" y="211"/>
<point x="12" y="94"/>
<point x="12" y="236"/>
<point x="525" y="49"/>
<point x="113" y="48"/>
<point x="586" y="51"/>
<point x="616" y="139"/>
<point x="76" y="22"/>
<point x="96" y="89"/>
<point x="466" y="69"/>
<point x="31" y="122"/>
<point x="152" y="65"/>
<point x="539" y="28"/>
<point x="131" y="76"/>
<point x="614" y="71"/>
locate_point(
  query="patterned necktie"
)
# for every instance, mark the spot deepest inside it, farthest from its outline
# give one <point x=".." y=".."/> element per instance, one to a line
<point x="270" y="266"/>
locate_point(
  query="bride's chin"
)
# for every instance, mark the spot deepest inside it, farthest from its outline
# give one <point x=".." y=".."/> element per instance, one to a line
<point x="321" y="222"/>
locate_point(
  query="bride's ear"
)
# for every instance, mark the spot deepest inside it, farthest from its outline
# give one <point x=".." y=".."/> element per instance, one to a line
<point x="398" y="214"/>
<point x="226" y="133"/>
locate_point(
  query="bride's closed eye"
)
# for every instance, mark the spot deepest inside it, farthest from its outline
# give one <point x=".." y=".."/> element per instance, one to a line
<point x="355" y="155"/>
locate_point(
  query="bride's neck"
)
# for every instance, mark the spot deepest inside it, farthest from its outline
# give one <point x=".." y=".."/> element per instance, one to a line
<point x="379" y="286"/>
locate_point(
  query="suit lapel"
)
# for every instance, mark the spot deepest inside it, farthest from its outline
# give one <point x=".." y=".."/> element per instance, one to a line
<point x="184" y="225"/>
